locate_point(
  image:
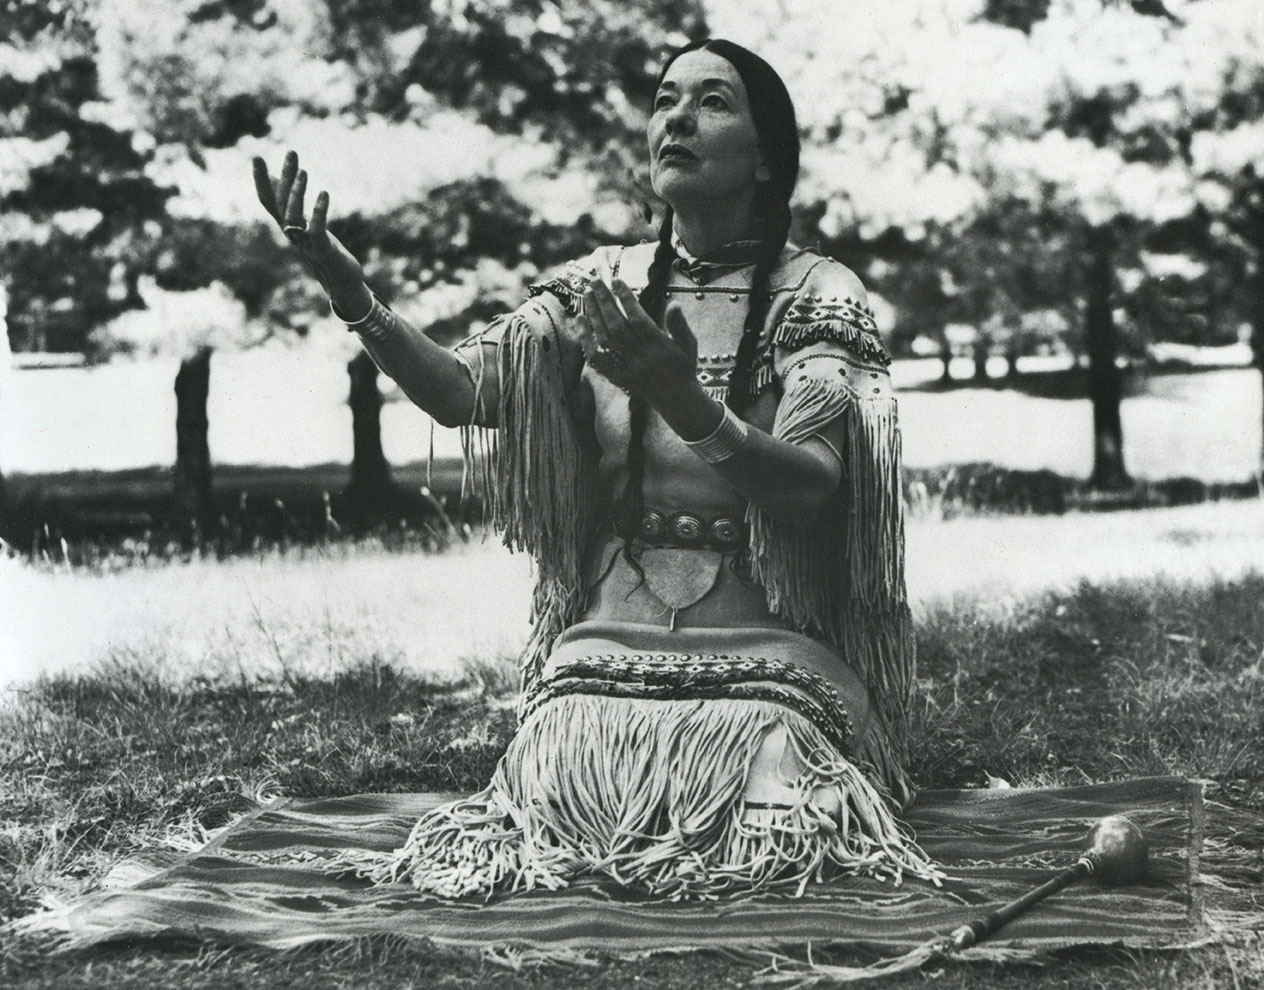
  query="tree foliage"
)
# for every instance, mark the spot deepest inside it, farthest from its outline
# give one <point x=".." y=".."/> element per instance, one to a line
<point x="80" y="219"/>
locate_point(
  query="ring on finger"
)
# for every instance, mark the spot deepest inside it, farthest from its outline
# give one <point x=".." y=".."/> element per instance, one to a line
<point x="295" y="234"/>
<point x="612" y="357"/>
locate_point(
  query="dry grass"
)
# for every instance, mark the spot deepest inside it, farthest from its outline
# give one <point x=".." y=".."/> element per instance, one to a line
<point x="1093" y="681"/>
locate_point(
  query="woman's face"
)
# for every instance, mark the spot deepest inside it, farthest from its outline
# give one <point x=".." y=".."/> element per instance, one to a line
<point x="702" y="139"/>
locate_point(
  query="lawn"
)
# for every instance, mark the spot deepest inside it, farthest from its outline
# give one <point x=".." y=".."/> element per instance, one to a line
<point x="287" y="407"/>
<point x="1055" y="657"/>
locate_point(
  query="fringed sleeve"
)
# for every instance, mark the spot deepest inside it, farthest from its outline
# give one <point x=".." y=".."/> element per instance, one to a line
<point x="529" y="457"/>
<point x="840" y="577"/>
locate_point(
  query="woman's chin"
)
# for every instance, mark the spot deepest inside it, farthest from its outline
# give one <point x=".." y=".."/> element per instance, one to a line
<point x="683" y="190"/>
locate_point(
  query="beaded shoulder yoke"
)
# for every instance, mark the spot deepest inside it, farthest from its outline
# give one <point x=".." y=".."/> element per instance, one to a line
<point x="839" y="579"/>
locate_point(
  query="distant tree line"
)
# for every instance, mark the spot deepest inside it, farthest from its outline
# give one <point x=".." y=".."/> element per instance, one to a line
<point x="1085" y="173"/>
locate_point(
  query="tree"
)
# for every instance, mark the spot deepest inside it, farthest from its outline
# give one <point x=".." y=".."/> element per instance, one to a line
<point x="1086" y="143"/>
<point x="1223" y="109"/>
<point x="79" y="217"/>
<point x="498" y="117"/>
<point x="5" y="370"/>
<point x="189" y="325"/>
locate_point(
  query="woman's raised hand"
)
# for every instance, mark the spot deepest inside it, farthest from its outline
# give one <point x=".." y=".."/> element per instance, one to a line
<point x="624" y="344"/>
<point x="336" y="268"/>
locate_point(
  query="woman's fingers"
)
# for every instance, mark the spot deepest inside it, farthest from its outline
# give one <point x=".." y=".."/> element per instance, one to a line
<point x="320" y="214"/>
<point x="265" y="190"/>
<point x="639" y="324"/>
<point x="587" y="339"/>
<point x="294" y="216"/>
<point x="289" y="169"/>
<point x="678" y="328"/>
<point x="609" y="322"/>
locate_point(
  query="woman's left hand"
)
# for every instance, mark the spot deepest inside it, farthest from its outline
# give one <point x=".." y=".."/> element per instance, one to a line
<point x="625" y="346"/>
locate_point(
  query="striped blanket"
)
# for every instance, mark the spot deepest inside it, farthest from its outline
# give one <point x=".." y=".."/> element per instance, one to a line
<point x="244" y="885"/>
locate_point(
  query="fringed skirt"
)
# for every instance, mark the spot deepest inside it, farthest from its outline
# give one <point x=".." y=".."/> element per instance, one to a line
<point x="683" y="775"/>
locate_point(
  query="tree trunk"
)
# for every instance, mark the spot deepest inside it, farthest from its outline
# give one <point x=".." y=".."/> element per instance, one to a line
<point x="1257" y="349"/>
<point x="945" y="355"/>
<point x="1259" y="363"/>
<point x="982" y="349"/>
<point x="6" y="365"/>
<point x="1105" y="383"/>
<point x="194" y="503"/>
<point x="371" y="480"/>
<point x="1011" y="361"/>
<point x="1256" y="315"/>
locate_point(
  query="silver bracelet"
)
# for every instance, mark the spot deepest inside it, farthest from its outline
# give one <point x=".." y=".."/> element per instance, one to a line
<point x="377" y="324"/>
<point x="724" y="441"/>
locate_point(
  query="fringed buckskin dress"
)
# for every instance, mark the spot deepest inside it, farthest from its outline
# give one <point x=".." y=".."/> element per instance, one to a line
<point x="714" y="699"/>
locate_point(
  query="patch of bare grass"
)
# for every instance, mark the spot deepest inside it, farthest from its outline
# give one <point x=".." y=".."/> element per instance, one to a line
<point x="94" y="767"/>
<point x="1097" y="683"/>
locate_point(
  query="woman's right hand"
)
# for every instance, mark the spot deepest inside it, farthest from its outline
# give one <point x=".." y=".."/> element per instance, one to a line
<point x="336" y="268"/>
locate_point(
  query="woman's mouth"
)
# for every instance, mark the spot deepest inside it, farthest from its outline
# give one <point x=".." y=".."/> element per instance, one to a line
<point x="675" y="152"/>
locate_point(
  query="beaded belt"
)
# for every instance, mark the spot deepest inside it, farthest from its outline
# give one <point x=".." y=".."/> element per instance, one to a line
<point x="682" y="529"/>
<point x="675" y="676"/>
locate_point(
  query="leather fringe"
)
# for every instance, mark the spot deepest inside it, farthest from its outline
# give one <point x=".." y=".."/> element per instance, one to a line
<point x="651" y="794"/>
<point x="842" y="577"/>
<point x="537" y="478"/>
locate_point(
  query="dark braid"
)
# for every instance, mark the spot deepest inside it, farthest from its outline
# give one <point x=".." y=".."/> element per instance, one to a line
<point x="777" y="229"/>
<point x="653" y="300"/>
<point x="773" y="115"/>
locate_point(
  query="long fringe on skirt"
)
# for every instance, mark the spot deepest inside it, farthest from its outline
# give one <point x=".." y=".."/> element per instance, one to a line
<point x="650" y="793"/>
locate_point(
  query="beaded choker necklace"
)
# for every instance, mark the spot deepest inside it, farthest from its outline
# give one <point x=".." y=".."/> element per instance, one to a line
<point x="729" y="257"/>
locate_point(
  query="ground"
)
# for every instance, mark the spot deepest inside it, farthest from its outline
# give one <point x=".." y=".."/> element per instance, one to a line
<point x="1095" y="680"/>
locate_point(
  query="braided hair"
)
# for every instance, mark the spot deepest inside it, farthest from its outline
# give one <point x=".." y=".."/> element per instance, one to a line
<point x="777" y="132"/>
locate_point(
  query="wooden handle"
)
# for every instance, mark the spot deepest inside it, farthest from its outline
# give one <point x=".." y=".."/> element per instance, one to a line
<point x="984" y="925"/>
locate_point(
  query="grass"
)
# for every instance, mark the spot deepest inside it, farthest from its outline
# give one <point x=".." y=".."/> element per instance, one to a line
<point x="1099" y="682"/>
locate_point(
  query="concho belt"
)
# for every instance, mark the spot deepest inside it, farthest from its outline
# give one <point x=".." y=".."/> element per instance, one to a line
<point x="688" y="530"/>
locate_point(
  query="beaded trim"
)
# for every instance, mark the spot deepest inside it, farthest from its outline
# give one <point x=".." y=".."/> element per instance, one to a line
<point x="569" y="287"/>
<point x="816" y="318"/>
<point x="702" y="677"/>
<point x="799" y="362"/>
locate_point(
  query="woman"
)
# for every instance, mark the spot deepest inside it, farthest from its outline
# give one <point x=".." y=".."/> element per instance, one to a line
<point x="696" y="440"/>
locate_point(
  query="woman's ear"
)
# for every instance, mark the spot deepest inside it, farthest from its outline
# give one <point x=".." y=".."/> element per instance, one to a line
<point x="763" y="173"/>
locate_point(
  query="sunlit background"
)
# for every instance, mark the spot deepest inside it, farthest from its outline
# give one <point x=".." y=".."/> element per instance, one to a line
<point x="1057" y="207"/>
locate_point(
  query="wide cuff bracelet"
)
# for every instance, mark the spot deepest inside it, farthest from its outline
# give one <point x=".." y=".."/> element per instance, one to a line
<point x="377" y="324"/>
<point x="723" y="442"/>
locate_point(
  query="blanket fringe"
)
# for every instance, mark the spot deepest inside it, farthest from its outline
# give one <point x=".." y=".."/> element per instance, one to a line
<point x="651" y="794"/>
<point x="800" y="975"/>
<point x="1231" y="869"/>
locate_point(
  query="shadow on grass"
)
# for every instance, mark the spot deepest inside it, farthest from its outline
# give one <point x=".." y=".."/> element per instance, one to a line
<point x="121" y="517"/>
<point x="84" y="516"/>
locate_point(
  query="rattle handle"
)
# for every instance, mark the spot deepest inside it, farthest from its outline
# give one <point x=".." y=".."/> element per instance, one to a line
<point x="984" y="925"/>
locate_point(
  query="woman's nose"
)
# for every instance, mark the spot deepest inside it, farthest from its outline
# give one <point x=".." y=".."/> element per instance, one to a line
<point x="680" y="120"/>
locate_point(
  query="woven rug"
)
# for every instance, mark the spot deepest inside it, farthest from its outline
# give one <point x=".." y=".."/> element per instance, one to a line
<point x="994" y="845"/>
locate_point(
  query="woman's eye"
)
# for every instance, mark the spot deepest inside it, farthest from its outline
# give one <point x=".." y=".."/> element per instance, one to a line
<point x="714" y="101"/>
<point x="662" y="103"/>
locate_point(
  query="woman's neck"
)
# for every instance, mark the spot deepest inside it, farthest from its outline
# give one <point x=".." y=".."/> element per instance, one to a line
<point x="706" y="231"/>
